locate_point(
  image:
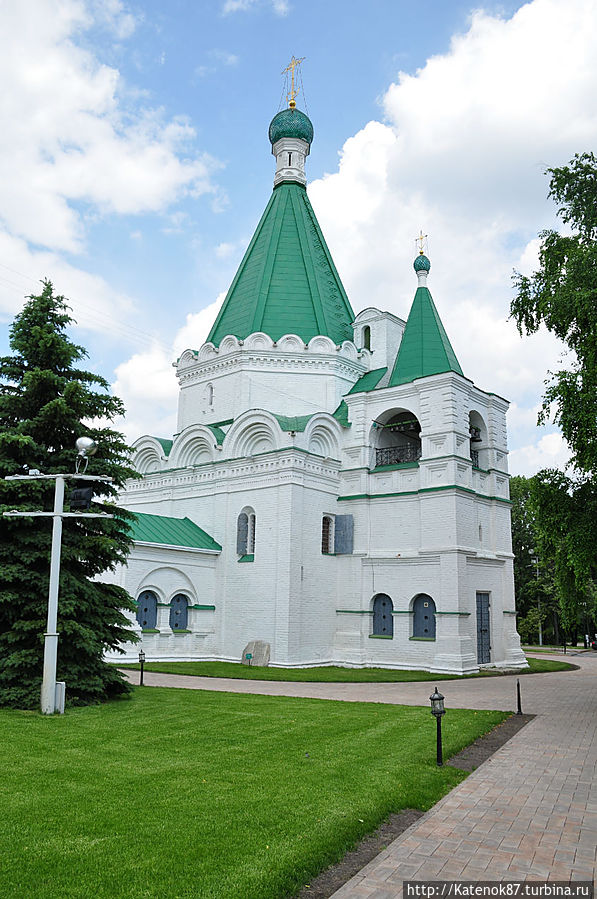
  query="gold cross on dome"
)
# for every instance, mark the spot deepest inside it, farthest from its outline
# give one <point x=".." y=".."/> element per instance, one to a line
<point x="420" y="240"/>
<point x="294" y="63"/>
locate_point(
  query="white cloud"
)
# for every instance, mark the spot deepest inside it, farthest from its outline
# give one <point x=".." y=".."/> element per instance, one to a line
<point x="280" y="7"/>
<point x="551" y="451"/>
<point x="462" y="155"/>
<point x="147" y="385"/>
<point x="75" y="135"/>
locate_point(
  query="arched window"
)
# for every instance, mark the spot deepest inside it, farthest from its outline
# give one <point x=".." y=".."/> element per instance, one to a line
<point x="398" y="438"/>
<point x="327" y="535"/>
<point x="179" y="614"/>
<point x="383" y="623"/>
<point x="245" y="533"/>
<point x="424" y="617"/>
<point x="147" y="610"/>
<point x="210" y="394"/>
<point x="367" y="337"/>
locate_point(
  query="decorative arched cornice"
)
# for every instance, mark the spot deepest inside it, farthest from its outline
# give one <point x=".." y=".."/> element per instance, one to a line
<point x="149" y="455"/>
<point x="323" y="436"/>
<point x="254" y="432"/>
<point x="193" y="446"/>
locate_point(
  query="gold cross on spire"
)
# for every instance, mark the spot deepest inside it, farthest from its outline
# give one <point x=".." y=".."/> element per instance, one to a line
<point x="291" y="97"/>
<point x="420" y="240"/>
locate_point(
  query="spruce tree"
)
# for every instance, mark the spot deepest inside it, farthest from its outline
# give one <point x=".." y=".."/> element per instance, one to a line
<point x="46" y="403"/>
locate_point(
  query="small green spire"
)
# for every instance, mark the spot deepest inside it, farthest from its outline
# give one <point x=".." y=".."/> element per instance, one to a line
<point x="425" y="348"/>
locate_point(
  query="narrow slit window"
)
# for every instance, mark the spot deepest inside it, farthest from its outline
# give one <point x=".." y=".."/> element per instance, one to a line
<point x="327" y="535"/>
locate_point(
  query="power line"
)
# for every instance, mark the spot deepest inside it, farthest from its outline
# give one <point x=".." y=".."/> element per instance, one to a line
<point x="96" y="316"/>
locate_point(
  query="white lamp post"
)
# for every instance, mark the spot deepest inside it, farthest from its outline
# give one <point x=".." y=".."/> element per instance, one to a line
<point x="86" y="448"/>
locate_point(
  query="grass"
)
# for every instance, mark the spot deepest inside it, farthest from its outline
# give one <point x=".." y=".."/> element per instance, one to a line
<point x="176" y="794"/>
<point x="326" y="674"/>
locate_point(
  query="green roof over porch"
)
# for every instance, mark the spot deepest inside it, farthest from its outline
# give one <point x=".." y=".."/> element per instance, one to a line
<point x="169" y="531"/>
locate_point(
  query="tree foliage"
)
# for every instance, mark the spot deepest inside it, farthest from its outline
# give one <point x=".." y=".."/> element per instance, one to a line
<point x="562" y="295"/>
<point x="46" y="402"/>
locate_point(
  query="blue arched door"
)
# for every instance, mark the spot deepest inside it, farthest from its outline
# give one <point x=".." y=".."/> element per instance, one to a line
<point x="424" y="617"/>
<point x="179" y="606"/>
<point x="147" y="610"/>
<point x="383" y="623"/>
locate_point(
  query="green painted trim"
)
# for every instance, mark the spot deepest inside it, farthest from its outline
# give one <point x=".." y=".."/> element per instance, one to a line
<point x="462" y="614"/>
<point x="207" y="608"/>
<point x="394" y="467"/>
<point x="498" y="499"/>
<point x="380" y="637"/>
<point x="150" y="630"/>
<point x="182" y="632"/>
<point x="248" y="558"/>
<point x="354" y="612"/>
<point x="165" y="605"/>
<point x="423" y="639"/>
<point x="509" y="612"/>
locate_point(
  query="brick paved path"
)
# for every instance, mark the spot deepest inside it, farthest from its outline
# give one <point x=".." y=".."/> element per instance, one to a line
<point x="528" y="812"/>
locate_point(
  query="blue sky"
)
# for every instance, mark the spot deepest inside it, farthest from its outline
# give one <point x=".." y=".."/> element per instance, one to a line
<point x="136" y="165"/>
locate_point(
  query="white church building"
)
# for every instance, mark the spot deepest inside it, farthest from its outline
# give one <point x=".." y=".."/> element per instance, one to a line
<point x="337" y="488"/>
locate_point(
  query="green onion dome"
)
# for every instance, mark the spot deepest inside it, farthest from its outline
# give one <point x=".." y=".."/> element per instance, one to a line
<point x="421" y="263"/>
<point x="290" y="123"/>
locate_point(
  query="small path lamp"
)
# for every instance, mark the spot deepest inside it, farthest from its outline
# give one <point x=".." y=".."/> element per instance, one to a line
<point x="437" y="710"/>
<point x="50" y="698"/>
<point x="141" y="663"/>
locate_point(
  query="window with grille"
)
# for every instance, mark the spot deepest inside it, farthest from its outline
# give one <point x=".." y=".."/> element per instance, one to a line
<point x="327" y="535"/>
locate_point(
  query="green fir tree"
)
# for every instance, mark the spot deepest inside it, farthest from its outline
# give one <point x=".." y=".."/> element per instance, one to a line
<point x="46" y="403"/>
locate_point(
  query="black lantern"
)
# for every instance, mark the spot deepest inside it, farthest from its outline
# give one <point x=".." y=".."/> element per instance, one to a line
<point x="437" y="710"/>
<point x="141" y="662"/>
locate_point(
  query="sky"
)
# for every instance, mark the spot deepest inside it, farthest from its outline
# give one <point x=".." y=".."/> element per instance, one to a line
<point x="135" y="165"/>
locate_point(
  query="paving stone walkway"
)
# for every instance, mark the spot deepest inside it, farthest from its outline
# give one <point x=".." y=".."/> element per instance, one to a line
<point x="529" y="812"/>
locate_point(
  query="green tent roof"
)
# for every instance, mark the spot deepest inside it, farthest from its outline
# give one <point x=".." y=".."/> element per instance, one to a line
<point x="170" y="531"/>
<point x="425" y="348"/>
<point x="287" y="282"/>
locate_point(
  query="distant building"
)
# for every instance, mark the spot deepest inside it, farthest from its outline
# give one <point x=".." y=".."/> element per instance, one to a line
<point x="336" y="487"/>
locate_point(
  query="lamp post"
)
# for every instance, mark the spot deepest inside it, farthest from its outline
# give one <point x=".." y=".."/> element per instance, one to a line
<point x="536" y="561"/>
<point x="437" y="710"/>
<point x="141" y="663"/>
<point x="86" y="447"/>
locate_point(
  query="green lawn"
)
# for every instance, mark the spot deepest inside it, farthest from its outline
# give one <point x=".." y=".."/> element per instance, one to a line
<point x="326" y="674"/>
<point x="178" y="793"/>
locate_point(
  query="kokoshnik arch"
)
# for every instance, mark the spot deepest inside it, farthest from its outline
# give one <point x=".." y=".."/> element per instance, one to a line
<point x="336" y="488"/>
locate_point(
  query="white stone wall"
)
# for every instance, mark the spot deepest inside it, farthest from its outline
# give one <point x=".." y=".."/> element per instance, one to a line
<point x="439" y="527"/>
<point x="286" y="377"/>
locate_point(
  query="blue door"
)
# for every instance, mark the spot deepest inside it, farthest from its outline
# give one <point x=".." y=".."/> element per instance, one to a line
<point x="147" y="610"/>
<point x="483" y="635"/>
<point x="179" y="612"/>
<point x="383" y="623"/>
<point x="424" y="617"/>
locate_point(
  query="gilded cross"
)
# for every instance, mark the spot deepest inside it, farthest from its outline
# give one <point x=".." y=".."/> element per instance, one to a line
<point x="291" y="97"/>
<point x="420" y="241"/>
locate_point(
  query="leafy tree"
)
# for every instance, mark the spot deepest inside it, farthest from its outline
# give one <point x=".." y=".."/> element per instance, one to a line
<point x="46" y="402"/>
<point x="536" y="598"/>
<point x="562" y="296"/>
